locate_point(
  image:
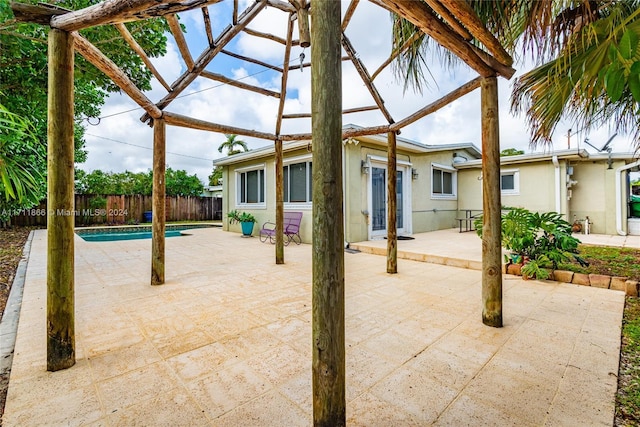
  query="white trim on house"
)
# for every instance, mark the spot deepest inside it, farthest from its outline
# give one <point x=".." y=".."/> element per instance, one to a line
<point x="454" y="182"/>
<point x="515" y="191"/>
<point x="238" y="172"/>
<point x="380" y="162"/>
<point x="308" y="205"/>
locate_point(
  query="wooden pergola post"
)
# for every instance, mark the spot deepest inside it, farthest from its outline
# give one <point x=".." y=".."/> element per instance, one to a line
<point x="491" y="221"/>
<point x="328" y="365"/>
<point x="279" y="203"/>
<point x="392" y="229"/>
<point x="61" y="352"/>
<point x="158" y="202"/>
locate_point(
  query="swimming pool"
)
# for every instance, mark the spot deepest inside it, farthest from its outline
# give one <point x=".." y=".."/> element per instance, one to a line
<point x="111" y="234"/>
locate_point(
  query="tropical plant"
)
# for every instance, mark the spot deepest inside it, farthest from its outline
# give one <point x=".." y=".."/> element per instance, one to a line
<point x="233" y="145"/>
<point x="587" y="55"/>
<point x="539" y="241"/>
<point x="22" y="161"/>
<point x="235" y="216"/>
<point x="177" y="183"/>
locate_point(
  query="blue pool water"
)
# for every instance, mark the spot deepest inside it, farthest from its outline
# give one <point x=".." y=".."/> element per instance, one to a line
<point x="110" y="237"/>
<point x="110" y="234"/>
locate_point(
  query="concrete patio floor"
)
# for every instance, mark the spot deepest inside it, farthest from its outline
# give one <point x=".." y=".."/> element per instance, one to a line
<point x="227" y="341"/>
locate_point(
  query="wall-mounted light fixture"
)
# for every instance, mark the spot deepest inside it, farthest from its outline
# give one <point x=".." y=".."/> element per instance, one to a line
<point x="364" y="167"/>
<point x="414" y="173"/>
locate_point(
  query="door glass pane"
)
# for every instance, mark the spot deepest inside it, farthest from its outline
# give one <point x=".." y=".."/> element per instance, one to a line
<point x="252" y="187"/>
<point x="298" y="182"/>
<point x="437" y="181"/>
<point x="399" y="201"/>
<point x="447" y="183"/>
<point x="378" y="190"/>
<point x="285" y="179"/>
<point x="261" y="185"/>
<point x="310" y="181"/>
<point x="243" y="188"/>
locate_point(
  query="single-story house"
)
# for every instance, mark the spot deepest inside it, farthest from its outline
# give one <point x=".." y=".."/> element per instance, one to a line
<point x="437" y="184"/>
<point x="212" y="191"/>
<point x="581" y="186"/>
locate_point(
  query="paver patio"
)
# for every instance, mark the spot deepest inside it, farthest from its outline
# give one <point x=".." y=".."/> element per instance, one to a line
<point x="227" y="341"/>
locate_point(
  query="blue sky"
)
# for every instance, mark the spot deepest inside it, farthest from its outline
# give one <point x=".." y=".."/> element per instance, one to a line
<point x="122" y="142"/>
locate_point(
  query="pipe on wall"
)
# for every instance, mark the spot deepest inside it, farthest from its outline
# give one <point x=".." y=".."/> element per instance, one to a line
<point x="554" y="159"/>
<point x="619" y="196"/>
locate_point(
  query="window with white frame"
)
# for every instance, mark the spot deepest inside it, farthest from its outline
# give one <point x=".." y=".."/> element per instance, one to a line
<point x="251" y="186"/>
<point x="297" y="182"/>
<point x="443" y="181"/>
<point x="510" y="181"/>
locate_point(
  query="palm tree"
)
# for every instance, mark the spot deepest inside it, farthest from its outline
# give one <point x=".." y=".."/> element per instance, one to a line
<point x="231" y="143"/>
<point x="587" y="55"/>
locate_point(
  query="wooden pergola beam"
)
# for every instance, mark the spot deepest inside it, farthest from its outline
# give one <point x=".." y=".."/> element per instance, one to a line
<point x="225" y="37"/>
<point x="176" y="30"/>
<point x="265" y="35"/>
<point x="278" y="149"/>
<point x="328" y="277"/>
<point x="366" y="78"/>
<point x="392" y="191"/>
<point x="491" y="205"/>
<point x="118" y="11"/>
<point x="226" y="80"/>
<point x="207" y="25"/>
<point x="468" y="17"/>
<point x="438" y="104"/>
<point x="108" y="67"/>
<point x="191" y="123"/>
<point x="251" y="60"/>
<point x="423" y="17"/>
<point x="158" y="203"/>
<point x="348" y="14"/>
<point x="446" y="15"/>
<point x="61" y="346"/>
<point x="346" y="111"/>
<point x="126" y="35"/>
<point x="395" y="54"/>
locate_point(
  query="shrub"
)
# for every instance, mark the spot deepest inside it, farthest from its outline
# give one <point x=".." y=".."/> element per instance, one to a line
<point x="537" y="240"/>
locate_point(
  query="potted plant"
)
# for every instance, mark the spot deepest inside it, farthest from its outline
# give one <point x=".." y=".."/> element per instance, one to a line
<point x="245" y="219"/>
<point x="536" y="241"/>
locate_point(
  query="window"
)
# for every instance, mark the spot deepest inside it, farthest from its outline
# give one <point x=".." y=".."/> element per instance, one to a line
<point x="443" y="182"/>
<point x="510" y="182"/>
<point x="297" y="182"/>
<point x="250" y="186"/>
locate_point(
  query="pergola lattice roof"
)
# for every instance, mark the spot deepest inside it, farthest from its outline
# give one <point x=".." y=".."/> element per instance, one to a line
<point x="449" y="22"/>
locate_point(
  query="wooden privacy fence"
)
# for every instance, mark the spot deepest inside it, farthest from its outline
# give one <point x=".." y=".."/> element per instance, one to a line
<point x="93" y="209"/>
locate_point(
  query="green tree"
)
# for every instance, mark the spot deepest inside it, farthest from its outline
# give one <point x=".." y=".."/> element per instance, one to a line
<point x="587" y="54"/>
<point x="181" y="184"/>
<point x="511" y="152"/>
<point x="216" y="175"/>
<point x="23" y="74"/>
<point x="178" y="183"/>
<point x="233" y="145"/>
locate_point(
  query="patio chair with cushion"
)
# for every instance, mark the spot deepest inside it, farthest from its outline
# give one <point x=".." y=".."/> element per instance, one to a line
<point x="290" y="227"/>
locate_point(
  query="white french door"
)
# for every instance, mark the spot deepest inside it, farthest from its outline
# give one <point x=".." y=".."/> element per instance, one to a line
<point x="378" y="200"/>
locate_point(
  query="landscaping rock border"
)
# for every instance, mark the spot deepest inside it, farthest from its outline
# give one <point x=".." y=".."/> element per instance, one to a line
<point x="628" y="286"/>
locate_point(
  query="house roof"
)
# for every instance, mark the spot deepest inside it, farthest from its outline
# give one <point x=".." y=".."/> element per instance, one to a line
<point x="401" y="143"/>
<point x="573" y="154"/>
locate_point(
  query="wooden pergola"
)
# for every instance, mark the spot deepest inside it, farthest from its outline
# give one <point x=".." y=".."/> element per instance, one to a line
<point x="451" y="23"/>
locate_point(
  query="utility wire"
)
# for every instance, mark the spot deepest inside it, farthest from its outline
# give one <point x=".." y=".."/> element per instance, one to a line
<point x="185" y="95"/>
<point x="146" y="148"/>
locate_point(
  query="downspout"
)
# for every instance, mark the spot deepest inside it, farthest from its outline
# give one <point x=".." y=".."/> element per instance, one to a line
<point x="554" y="159"/>
<point x="619" y="196"/>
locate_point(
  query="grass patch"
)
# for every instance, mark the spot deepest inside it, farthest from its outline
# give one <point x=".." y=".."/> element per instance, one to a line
<point x="607" y="260"/>
<point x="628" y="395"/>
